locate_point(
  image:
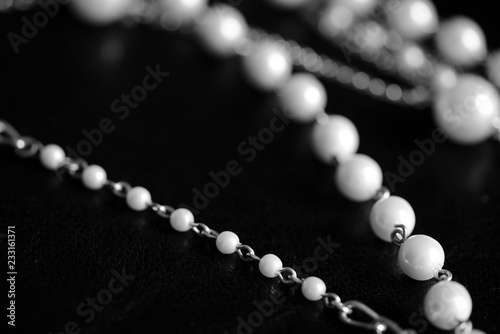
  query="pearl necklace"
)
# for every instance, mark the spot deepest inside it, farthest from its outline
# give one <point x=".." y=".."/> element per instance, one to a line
<point x="267" y="63"/>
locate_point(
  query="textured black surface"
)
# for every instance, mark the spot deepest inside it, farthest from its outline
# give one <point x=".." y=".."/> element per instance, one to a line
<point x="69" y="239"/>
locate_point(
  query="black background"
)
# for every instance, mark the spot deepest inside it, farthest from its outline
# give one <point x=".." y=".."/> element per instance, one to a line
<point x="69" y="238"/>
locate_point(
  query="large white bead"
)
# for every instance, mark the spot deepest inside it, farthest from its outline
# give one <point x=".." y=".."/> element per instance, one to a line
<point x="313" y="288"/>
<point x="182" y="220"/>
<point x="100" y="12"/>
<point x="226" y="242"/>
<point x="358" y="7"/>
<point x="447" y="304"/>
<point x="493" y="67"/>
<point x="466" y="111"/>
<point x="138" y="198"/>
<point x="288" y="4"/>
<point x="419" y="256"/>
<point x="52" y="156"/>
<point x="184" y="10"/>
<point x="303" y="97"/>
<point x="336" y="137"/>
<point x="391" y="211"/>
<point x="358" y="177"/>
<point x="461" y="41"/>
<point x="414" y="19"/>
<point x="94" y="177"/>
<point x="269" y="265"/>
<point x="268" y="66"/>
<point x="221" y="30"/>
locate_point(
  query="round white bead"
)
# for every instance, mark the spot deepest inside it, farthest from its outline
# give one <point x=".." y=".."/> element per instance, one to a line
<point x="415" y="19"/>
<point x="269" y="265"/>
<point x="358" y="177"/>
<point x="221" y="30"/>
<point x="336" y="137"/>
<point x="52" y="156"/>
<point x="410" y="58"/>
<point x="184" y="10"/>
<point x="447" y="304"/>
<point x="358" y="7"/>
<point x="466" y="111"/>
<point x="493" y="67"/>
<point x="226" y="242"/>
<point x="303" y="97"/>
<point x="461" y="41"/>
<point x="445" y="77"/>
<point x="181" y="220"/>
<point x="313" y="288"/>
<point x="94" y="177"/>
<point x="268" y="66"/>
<point x="391" y="211"/>
<point x="419" y="256"/>
<point x="477" y="331"/>
<point x="288" y="4"/>
<point x="100" y="12"/>
<point x="335" y="20"/>
<point x="138" y="198"/>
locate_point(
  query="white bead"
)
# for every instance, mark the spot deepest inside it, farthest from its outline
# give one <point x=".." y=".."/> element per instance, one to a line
<point x="288" y="4"/>
<point x="221" y="30"/>
<point x="52" y="156"/>
<point x="358" y="7"/>
<point x="336" y="137"/>
<point x="415" y="19"/>
<point x="226" y="242"/>
<point x="268" y="66"/>
<point x="370" y="37"/>
<point x="410" y="58"/>
<point x="335" y="20"/>
<point x="269" y="265"/>
<point x="138" y="198"/>
<point x="303" y="97"/>
<point x="445" y="77"/>
<point x="493" y="67"/>
<point x="358" y="177"/>
<point x="391" y="211"/>
<point x="466" y="111"/>
<point x="419" y="256"/>
<point x="94" y="177"/>
<point x="477" y="331"/>
<point x="461" y="41"/>
<point x="100" y="12"/>
<point x="181" y="220"/>
<point x="313" y="288"/>
<point x="447" y="304"/>
<point x="184" y="10"/>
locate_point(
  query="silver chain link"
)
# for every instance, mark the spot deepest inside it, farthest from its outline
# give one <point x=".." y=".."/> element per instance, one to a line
<point x="398" y="235"/>
<point x="290" y="276"/>
<point x="443" y="275"/>
<point x="249" y="254"/>
<point x="204" y="231"/>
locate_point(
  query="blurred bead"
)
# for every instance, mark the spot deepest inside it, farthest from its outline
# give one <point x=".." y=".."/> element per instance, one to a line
<point x="391" y="211"/>
<point x="52" y="156"/>
<point x="358" y="177"/>
<point x="268" y="66"/>
<point x="181" y="220"/>
<point x="447" y="304"/>
<point x="184" y="10"/>
<point x="138" y="198"/>
<point x="461" y="41"/>
<point x="358" y="7"/>
<point x="100" y="12"/>
<point x="370" y="37"/>
<point x="415" y="19"/>
<point x="94" y="177"/>
<point x="493" y="67"/>
<point x="445" y="77"/>
<point x="221" y="30"/>
<point x="303" y="97"/>
<point x="337" y="137"/>
<point x="466" y="111"/>
<point x="288" y="4"/>
<point x="269" y="265"/>
<point x="410" y="58"/>
<point x="226" y="242"/>
<point x="335" y="20"/>
<point x="313" y="288"/>
<point x="477" y="331"/>
<point x="419" y="256"/>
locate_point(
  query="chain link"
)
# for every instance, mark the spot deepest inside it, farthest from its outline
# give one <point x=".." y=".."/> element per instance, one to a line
<point x="74" y="166"/>
<point x="291" y="277"/>
<point x="249" y="255"/>
<point x="161" y="210"/>
<point x="382" y="193"/>
<point x="204" y="231"/>
<point x="464" y="328"/>
<point x="120" y="188"/>
<point x="398" y="235"/>
<point x="443" y="275"/>
<point x="27" y="147"/>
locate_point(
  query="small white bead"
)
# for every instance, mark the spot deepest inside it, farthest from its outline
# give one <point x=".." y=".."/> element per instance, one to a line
<point x="493" y="67"/>
<point x="415" y="19"/>
<point x="419" y="256"/>
<point x="337" y="137"/>
<point x="389" y="212"/>
<point x="445" y="77"/>
<point x="181" y="220"/>
<point x="100" y="12"/>
<point x="52" y="156"/>
<point x="221" y="30"/>
<point x="358" y="177"/>
<point x="358" y="7"/>
<point x="269" y="265"/>
<point x="138" y="198"/>
<point x="268" y="66"/>
<point x="466" y="111"/>
<point x="461" y="41"/>
<point x="410" y="58"/>
<point x="447" y="304"/>
<point x="335" y="20"/>
<point x="313" y="288"/>
<point x="184" y="10"/>
<point x="226" y="242"/>
<point x="303" y="97"/>
<point x="94" y="177"/>
<point x="288" y="4"/>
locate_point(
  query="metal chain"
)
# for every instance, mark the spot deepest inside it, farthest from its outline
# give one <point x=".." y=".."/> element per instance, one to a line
<point x="382" y="193"/>
<point x="291" y="277"/>
<point x="204" y="231"/>
<point x="443" y="275"/>
<point x="75" y="166"/>
<point x="249" y="255"/>
<point x="398" y="235"/>
<point x="120" y="188"/>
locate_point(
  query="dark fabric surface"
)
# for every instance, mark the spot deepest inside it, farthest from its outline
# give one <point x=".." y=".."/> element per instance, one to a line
<point x="73" y="244"/>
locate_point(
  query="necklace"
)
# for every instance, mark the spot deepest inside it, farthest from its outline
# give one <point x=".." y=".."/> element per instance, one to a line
<point x="299" y="109"/>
